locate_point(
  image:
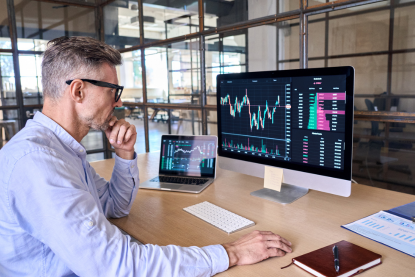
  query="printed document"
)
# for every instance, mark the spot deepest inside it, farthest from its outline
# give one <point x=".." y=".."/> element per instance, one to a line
<point x="388" y="229"/>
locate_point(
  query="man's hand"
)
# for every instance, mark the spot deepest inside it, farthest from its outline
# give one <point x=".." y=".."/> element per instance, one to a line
<point x="122" y="136"/>
<point x="255" y="247"/>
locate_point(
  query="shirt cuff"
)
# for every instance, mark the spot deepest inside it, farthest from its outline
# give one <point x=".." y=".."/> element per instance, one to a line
<point x="126" y="166"/>
<point x="219" y="258"/>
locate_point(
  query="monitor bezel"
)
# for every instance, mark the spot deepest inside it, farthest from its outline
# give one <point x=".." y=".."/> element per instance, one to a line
<point x="213" y="139"/>
<point x="346" y="172"/>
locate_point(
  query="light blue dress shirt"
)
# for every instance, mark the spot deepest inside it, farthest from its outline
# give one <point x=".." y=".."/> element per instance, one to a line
<point x="54" y="209"/>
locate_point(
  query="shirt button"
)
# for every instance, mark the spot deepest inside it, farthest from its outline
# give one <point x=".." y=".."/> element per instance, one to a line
<point x="132" y="166"/>
<point x="82" y="150"/>
<point x="90" y="224"/>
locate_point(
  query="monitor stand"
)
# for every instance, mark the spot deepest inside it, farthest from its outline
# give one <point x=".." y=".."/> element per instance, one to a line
<point x="287" y="195"/>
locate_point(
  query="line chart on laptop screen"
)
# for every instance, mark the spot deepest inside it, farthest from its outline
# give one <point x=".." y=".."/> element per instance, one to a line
<point x="196" y="156"/>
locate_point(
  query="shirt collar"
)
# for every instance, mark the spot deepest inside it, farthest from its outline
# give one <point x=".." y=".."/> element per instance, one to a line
<point x="61" y="133"/>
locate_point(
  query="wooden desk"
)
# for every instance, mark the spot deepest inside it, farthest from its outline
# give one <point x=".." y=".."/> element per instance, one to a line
<point x="313" y="221"/>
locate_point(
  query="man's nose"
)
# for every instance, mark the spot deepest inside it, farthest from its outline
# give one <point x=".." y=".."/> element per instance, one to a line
<point x="118" y="103"/>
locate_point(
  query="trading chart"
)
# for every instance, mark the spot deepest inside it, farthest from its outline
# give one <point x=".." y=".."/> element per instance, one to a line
<point x="297" y="119"/>
<point x="256" y="117"/>
<point x="188" y="156"/>
<point x="319" y="105"/>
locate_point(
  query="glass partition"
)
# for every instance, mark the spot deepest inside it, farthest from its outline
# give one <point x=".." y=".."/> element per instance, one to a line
<point x="9" y="125"/>
<point x="222" y="13"/>
<point x="288" y="5"/>
<point x="94" y="157"/>
<point x="377" y="39"/>
<point x="225" y="53"/>
<point x="288" y="40"/>
<point x="130" y="76"/>
<point x="93" y="140"/>
<point x="168" y="19"/>
<point x="212" y="123"/>
<point x="7" y="80"/>
<point x="384" y="159"/>
<point x="359" y="37"/>
<point x="31" y="79"/>
<point x="173" y="74"/>
<point x="358" y="33"/>
<point x="5" y="42"/>
<point x="316" y="36"/>
<point x="38" y="22"/>
<point x="121" y="25"/>
<point x="403" y="30"/>
<point x="182" y="122"/>
<point x="403" y="83"/>
<point x="370" y="72"/>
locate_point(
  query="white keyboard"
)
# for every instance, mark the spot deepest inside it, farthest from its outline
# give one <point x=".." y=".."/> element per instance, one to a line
<point x="219" y="217"/>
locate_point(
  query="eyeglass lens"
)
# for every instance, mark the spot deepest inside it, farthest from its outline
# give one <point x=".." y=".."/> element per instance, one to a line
<point x="117" y="94"/>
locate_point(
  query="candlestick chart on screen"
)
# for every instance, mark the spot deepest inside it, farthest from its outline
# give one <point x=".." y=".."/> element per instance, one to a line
<point x="256" y="122"/>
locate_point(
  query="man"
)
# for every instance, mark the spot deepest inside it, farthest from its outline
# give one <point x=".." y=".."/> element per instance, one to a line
<point x="54" y="207"/>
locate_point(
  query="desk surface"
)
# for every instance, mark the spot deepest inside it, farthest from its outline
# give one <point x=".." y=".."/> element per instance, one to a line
<point x="313" y="221"/>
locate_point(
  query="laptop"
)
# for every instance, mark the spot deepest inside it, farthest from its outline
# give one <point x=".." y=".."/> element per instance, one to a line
<point x="187" y="164"/>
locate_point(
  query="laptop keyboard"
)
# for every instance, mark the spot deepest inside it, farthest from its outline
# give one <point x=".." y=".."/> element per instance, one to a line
<point x="179" y="180"/>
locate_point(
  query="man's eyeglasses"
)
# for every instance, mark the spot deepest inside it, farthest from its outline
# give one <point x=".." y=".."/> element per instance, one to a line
<point x="118" y="89"/>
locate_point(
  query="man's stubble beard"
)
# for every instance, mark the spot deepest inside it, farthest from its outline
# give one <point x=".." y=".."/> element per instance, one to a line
<point x="99" y="126"/>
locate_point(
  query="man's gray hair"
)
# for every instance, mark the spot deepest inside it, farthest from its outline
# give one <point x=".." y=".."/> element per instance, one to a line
<point x="68" y="58"/>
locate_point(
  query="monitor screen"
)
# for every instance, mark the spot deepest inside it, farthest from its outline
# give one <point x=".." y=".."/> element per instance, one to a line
<point x="294" y="119"/>
<point x="188" y="155"/>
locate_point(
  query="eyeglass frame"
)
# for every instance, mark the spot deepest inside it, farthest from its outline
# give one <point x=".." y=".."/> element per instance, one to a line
<point x="118" y="91"/>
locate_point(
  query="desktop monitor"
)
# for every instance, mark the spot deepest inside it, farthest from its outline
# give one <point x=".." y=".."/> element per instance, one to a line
<point x="298" y="120"/>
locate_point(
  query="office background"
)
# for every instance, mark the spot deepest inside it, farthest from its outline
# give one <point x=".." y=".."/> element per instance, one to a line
<point x="173" y="50"/>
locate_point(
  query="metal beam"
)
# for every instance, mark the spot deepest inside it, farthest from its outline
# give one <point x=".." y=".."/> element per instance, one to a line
<point x="54" y="25"/>
<point x="70" y="2"/>
<point x="99" y="23"/>
<point x="14" y="107"/>
<point x="271" y="19"/>
<point x="163" y="106"/>
<point x="337" y="5"/>
<point x="359" y="115"/>
<point x="403" y="117"/>
<point x="143" y="72"/>
<point x="13" y="37"/>
<point x="202" y="67"/>
<point x="354" y="13"/>
<point x="364" y="54"/>
<point x="326" y="38"/>
<point x="233" y="27"/>
<point x="303" y="35"/>
<point x="104" y="3"/>
<point x="30" y="52"/>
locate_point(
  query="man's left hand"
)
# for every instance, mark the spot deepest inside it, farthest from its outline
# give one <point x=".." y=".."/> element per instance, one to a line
<point x="122" y="136"/>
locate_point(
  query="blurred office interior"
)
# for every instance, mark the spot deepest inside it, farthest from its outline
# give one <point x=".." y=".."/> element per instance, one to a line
<point x="173" y="49"/>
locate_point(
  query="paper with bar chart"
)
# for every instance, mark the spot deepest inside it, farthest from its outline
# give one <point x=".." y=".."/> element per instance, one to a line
<point x="388" y="229"/>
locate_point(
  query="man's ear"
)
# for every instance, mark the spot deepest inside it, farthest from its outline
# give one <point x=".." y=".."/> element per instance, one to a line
<point x="77" y="90"/>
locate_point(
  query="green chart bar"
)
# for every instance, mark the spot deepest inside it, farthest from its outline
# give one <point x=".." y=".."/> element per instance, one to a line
<point x="312" y="121"/>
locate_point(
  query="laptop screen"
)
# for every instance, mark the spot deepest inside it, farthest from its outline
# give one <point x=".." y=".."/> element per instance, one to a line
<point x="188" y="155"/>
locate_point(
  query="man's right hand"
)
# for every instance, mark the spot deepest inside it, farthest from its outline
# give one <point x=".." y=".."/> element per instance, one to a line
<point x="255" y="247"/>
